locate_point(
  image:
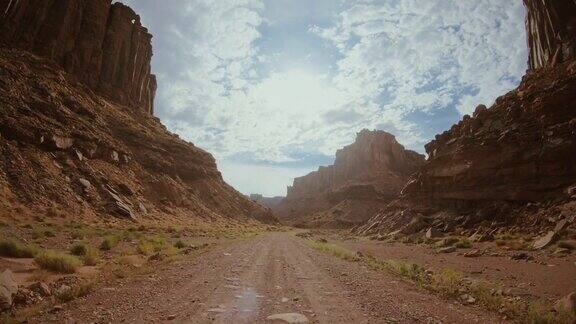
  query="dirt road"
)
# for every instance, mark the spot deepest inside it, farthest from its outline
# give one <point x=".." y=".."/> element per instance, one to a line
<point x="258" y="280"/>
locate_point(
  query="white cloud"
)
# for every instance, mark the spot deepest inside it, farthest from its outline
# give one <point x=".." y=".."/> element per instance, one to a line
<point x="230" y="84"/>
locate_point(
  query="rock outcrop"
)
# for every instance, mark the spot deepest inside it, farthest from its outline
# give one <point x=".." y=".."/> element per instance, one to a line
<point x="373" y="168"/>
<point x="92" y="149"/>
<point x="551" y="31"/>
<point x="520" y="152"/>
<point x="102" y="44"/>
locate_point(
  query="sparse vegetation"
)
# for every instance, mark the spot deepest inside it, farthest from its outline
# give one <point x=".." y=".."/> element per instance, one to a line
<point x="57" y="262"/>
<point x="180" y="244"/>
<point x="567" y="245"/>
<point x="333" y="249"/>
<point x="451" y="284"/>
<point x="109" y="242"/>
<point x="79" y="249"/>
<point x="92" y="257"/>
<point x="14" y="249"/>
<point x="463" y="244"/>
<point x="75" y="292"/>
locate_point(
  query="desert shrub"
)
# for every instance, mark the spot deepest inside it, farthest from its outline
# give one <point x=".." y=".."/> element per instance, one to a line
<point x="79" y="249"/>
<point x="92" y="257"/>
<point x="14" y="249"/>
<point x="75" y="292"/>
<point x="463" y="244"/>
<point x="180" y="244"/>
<point x="110" y="242"/>
<point x="57" y="262"/>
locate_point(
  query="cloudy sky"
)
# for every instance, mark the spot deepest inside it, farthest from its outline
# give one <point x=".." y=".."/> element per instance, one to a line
<point x="273" y="87"/>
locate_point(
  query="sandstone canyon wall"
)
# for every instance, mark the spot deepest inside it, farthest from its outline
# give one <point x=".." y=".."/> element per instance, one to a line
<point x="77" y="134"/>
<point x="369" y="172"/>
<point x="100" y="43"/>
<point x="551" y="31"/>
<point x="520" y="151"/>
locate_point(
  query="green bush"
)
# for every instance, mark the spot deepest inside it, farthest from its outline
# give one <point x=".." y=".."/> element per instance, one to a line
<point x="13" y="249"/>
<point x="57" y="262"/>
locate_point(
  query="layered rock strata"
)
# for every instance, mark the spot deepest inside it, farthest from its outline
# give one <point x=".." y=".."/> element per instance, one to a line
<point x="373" y="168"/>
<point x="102" y="44"/>
<point x="493" y="167"/>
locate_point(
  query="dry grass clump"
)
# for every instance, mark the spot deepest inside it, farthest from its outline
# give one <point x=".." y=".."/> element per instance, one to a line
<point x="57" y="262"/>
<point x="14" y="249"/>
<point x="75" y="292"/>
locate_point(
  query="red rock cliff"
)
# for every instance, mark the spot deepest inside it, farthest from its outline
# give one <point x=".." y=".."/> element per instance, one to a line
<point x="551" y="31"/>
<point x="375" y="157"/>
<point x="102" y="44"/>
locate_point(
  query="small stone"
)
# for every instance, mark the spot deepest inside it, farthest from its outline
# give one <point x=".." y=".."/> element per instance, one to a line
<point x="289" y="318"/>
<point x="85" y="183"/>
<point x="171" y="317"/>
<point x="56" y="308"/>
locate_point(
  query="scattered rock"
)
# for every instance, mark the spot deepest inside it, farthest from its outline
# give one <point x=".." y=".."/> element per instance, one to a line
<point x="448" y="249"/>
<point x="560" y="226"/>
<point x="8" y="288"/>
<point x="56" y="308"/>
<point x="567" y="303"/>
<point x="561" y="251"/>
<point x="288" y="318"/>
<point x="468" y="299"/>
<point x="60" y="143"/>
<point x="41" y="288"/>
<point x="63" y="289"/>
<point x="85" y="183"/>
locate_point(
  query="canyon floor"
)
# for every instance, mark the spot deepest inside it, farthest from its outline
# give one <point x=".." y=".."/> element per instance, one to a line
<point x="263" y="279"/>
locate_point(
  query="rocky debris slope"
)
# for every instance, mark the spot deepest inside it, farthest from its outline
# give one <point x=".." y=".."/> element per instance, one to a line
<point x="102" y="44"/>
<point x="373" y="170"/>
<point x="77" y="136"/>
<point x="66" y="148"/>
<point x="513" y="163"/>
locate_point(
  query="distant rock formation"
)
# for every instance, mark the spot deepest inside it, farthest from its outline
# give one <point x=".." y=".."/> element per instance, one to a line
<point x="102" y="44"/>
<point x="519" y="152"/>
<point x="375" y="167"/>
<point x="551" y="31"/>
<point x="269" y="202"/>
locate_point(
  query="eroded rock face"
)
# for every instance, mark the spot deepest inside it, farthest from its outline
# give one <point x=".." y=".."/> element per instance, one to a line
<point x="521" y="149"/>
<point x="375" y="157"/>
<point x="102" y="44"/>
<point x="513" y="164"/>
<point x="551" y="31"/>
<point x="365" y="175"/>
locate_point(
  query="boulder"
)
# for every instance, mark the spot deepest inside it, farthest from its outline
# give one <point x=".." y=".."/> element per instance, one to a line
<point x="41" y="288"/>
<point x="567" y="303"/>
<point x="8" y="289"/>
<point x="544" y="241"/>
